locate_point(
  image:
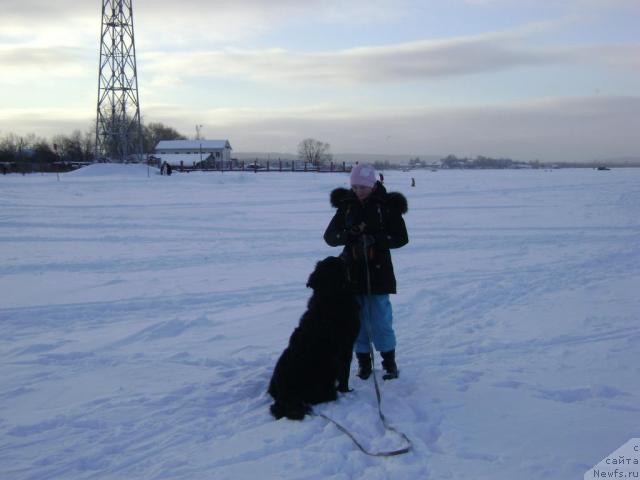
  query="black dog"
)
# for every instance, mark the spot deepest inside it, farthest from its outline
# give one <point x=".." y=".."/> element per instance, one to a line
<point x="317" y="361"/>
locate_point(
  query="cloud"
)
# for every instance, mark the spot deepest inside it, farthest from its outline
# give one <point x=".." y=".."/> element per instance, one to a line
<point x="175" y="50"/>
<point x="395" y="63"/>
<point x="21" y="62"/>
<point x="578" y="5"/>
<point x="45" y="122"/>
<point x="608" y="5"/>
<point x="407" y="62"/>
<point x="174" y="24"/>
<point x="626" y="56"/>
<point x="21" y="56"/>
<point x="199" y="53"/>
<point x="555" y="129"/>
<point x="403" y="62"/>
<point x="367" y="65"/>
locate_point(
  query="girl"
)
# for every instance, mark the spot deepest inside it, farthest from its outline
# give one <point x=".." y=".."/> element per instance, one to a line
<point x="368" y="222"/>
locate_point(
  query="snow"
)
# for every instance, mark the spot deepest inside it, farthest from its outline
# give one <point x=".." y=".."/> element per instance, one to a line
<point x="113" y="170"/>
<point x="141" y="317"/>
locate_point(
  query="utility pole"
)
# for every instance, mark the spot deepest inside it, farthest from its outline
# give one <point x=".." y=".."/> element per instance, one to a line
<point x="118" y="130"/>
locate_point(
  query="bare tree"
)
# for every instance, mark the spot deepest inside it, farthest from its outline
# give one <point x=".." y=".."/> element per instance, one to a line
<point x="9" y="147"/>
<point x="314" y="151"/>
<point x="156" y="131"/>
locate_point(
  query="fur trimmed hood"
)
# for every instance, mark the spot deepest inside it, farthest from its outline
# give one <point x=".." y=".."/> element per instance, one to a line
<point x="398" y="201"/>
<point x="395" y="200"/>
<point x="339" y="195"/>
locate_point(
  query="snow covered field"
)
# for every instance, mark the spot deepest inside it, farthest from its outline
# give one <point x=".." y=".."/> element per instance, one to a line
<point x="140" y="319"/>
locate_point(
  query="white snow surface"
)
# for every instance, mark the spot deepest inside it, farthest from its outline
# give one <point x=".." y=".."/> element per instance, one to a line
<point x="114" y="170"/>
<point x="141" y="317"/>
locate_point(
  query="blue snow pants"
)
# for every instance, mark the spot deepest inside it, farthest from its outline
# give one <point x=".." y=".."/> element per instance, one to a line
<point x="384" y="338"/>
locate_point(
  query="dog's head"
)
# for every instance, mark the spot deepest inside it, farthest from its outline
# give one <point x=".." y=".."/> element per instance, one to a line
<point x="330" y="276"/>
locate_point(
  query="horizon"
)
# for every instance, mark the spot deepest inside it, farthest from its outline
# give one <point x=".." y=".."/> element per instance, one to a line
<point x="398" y="158"/>
<point x="554" y="82"/>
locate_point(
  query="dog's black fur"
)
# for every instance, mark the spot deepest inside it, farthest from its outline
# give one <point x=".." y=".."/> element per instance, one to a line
<point x="316" y="363"/>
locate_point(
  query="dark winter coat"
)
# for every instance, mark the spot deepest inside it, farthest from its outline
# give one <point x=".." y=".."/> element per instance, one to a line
<point x="381" y="213"/>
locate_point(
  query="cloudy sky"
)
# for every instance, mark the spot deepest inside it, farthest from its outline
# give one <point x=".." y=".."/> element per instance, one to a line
<point x="529" y="79"/>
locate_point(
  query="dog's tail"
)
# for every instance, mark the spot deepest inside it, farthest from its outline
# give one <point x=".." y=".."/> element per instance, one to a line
<point x="291" y="410"/>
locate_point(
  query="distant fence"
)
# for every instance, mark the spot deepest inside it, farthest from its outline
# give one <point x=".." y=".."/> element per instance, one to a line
<point x="264" y="166"/>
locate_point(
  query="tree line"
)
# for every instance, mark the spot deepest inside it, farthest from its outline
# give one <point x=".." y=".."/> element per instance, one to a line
<point x="27" y="153"/>
<point x="480" y="162"/>
<point x="33" y="153"/>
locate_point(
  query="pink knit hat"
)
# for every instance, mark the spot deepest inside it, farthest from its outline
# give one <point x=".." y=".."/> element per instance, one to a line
<point x="363" y="175"/>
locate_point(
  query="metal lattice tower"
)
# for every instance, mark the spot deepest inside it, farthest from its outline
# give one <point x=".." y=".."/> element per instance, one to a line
<point x="118" y="132"/>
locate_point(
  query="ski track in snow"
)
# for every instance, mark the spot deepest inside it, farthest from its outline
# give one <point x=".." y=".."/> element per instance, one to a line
<point x="141" y="318"/>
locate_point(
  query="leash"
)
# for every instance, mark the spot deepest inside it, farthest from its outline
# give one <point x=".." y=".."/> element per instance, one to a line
<point x="383" y="419"/>
<point x="391" y="453"/>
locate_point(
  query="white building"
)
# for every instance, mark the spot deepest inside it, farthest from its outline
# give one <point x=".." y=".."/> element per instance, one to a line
<point x="185" y="160"/>
<point x="191" y="152"/>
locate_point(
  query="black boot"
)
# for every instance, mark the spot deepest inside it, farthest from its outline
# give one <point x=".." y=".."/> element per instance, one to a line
<point x="364" y="365"/>
<point x="389" y="365"/>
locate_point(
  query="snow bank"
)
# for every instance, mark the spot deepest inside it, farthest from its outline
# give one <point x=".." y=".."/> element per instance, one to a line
<point x="113" y="169"/>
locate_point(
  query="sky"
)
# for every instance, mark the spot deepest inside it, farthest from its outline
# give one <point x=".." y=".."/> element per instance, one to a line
<point x="529" y="80"/>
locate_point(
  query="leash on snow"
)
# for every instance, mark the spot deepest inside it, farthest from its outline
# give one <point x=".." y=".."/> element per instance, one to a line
<point x="383" y="419"/>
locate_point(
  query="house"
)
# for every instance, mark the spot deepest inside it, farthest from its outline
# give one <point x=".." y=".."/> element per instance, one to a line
<point x="191" y="152"/>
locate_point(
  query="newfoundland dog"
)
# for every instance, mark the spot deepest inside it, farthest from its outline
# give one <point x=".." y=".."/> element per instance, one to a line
<point x="316" y="363"/>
